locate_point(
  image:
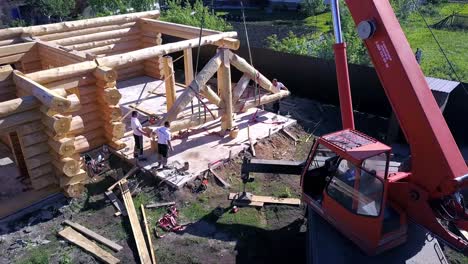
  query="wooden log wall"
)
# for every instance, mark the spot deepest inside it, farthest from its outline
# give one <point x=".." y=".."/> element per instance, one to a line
<point x="52" y="56"/>
<point x="149" y="38"/>
<point x="108" y="97"/>
<point x="24" y="56"/>
<point x="7" y="87"/>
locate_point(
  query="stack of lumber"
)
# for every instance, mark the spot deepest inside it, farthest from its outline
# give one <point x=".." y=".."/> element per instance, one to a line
<point x="150" y="37"/>
<point x="108" y="97"/>
<point x="57" y="134"/>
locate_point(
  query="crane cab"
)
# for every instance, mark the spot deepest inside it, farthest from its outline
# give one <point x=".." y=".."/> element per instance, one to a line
<point x="345" y="180"/>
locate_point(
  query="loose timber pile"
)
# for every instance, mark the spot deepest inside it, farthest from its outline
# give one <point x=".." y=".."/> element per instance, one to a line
<point x="61" y="100"/>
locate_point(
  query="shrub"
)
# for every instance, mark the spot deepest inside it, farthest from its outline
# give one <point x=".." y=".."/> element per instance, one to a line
<point x="192" y="15"/>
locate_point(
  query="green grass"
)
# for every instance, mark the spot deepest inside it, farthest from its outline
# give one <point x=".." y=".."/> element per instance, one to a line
<point x="35" y="256"/>
<point x="194" y="211"/>
<point x="322" y="22"/>
<point x="455" y="43"/>
<point x="246" y="216"/>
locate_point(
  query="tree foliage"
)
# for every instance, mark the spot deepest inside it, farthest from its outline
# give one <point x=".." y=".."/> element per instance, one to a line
<point x="192" y="14"/>
<point x="53" y="8"/>
<point x="321" y="44"/>
<point x="312" y="7"/>
<point x="108" y="7"/>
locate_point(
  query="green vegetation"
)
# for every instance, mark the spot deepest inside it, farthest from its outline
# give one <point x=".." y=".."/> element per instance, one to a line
<point x="59" y="9"/>
<point x="247" y="216"/>
<point x="193" y="14"/>
<point x="433" y="63"/>
<point x="35" y="256"/>
<point x="312" y="7"/>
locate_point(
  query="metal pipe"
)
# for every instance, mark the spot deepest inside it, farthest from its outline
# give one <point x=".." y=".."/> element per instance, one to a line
<point x="335" y="10"/>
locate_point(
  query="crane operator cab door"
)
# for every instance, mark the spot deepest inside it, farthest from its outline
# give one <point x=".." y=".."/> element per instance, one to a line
<point x="348" y="187"/>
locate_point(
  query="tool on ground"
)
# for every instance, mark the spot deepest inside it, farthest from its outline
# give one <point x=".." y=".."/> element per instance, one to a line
<point x="168" y="222"/>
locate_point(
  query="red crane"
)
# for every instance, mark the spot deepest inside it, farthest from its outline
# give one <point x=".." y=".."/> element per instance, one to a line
<point x="344" y="179"/>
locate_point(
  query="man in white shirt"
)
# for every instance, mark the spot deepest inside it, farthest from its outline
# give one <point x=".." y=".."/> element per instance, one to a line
<point x="278" y="86"/>
<point x="164" y="143"/>
<point x="138" y="136"/>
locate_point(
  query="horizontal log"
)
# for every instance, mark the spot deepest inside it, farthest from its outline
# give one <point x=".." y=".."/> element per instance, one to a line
<point x="264" y="99"/>
<point x="60" y="52"/>
<point x="65" y="147"/>
<point x="40" y="171"/>
<point x="68" y="166"/>
<point x="77" y="25"/>
<point x="34" y="138"/>
<point x="105" y="74"/>
<point x="87" y="108"/>
<point x="117" y="144"/>
<point x="185" y="32"/>
<point x="25" y="57"/>
<point x="97" y="36"/>
<point x="110" y="96"/>
<point x="131" y="69"/>
<point x="10" y="41"/>
<point x="148" y="53"/>
<point x="75" y="103"/>
<point x="44" y="181"/>
<point x="48" y="97"/>
<point x="129" y="45"/>
<point x="73" y="82"/>
<point x="86" y="31"/>
<point x="38" y="160"/>
<point x="100" y="43"/>
<point x="83" y="145"/>
<point x="92" y="125"/>
<point x="80" y="177"/>
<point x="65" y="72"/>
<point x="112" y="113"/>
<point x="115" y="130"/>
<point x="18" y="105"/>
<point x="193" y="121"/>
<point x="76" y="125"/>
<point x="59" y="124"/>
<point x="89" y="98"/>
<point x="16" y="49"/>
<point x="15" y="120"/>
<point x="87" y="90"/>
<point x="30" y="128"/>
<point x="6" y="73"/>
<point x="105" y="84"/>
<point x="151" y="41"/>
<point x="130" y="75"/>
<point x="36" y="149"/>
<point x="73" y="190"/>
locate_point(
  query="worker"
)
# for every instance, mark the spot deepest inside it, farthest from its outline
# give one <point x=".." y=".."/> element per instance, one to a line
<point x="278" y="86"/>
<point x="138" y="133"/>
<point x="164" y="143"/>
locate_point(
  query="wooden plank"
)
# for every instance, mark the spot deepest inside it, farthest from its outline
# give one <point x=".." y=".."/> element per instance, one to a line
<point x="148" y="235"/>
<point x="76" y="238"/>
<point x="289" y="135"/>
<point x="157" y="205"/>
<point x="269" y="199"/>
<point x="89" y="233"/>
<point x="134" y="223"/>
<point x="129" y="173"/>
<point x="221" y="180"/>
<point x="116" y="202"/>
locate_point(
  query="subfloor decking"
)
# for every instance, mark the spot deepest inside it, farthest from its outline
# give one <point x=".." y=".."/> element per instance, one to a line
<point x="202" y="145"/>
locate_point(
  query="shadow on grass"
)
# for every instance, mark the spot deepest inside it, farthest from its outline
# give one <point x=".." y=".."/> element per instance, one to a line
<point x="254" y="244"/>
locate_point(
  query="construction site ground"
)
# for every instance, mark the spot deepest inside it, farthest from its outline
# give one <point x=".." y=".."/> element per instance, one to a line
<point x="271" y="234"/>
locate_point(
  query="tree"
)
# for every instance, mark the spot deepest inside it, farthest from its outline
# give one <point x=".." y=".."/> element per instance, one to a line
<point x="192" y="15"/>
<point x="53" y="8"/>
<point x="142" y="5"/>
<point x="108" y="7"/>
<point x="312" y="7"/>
